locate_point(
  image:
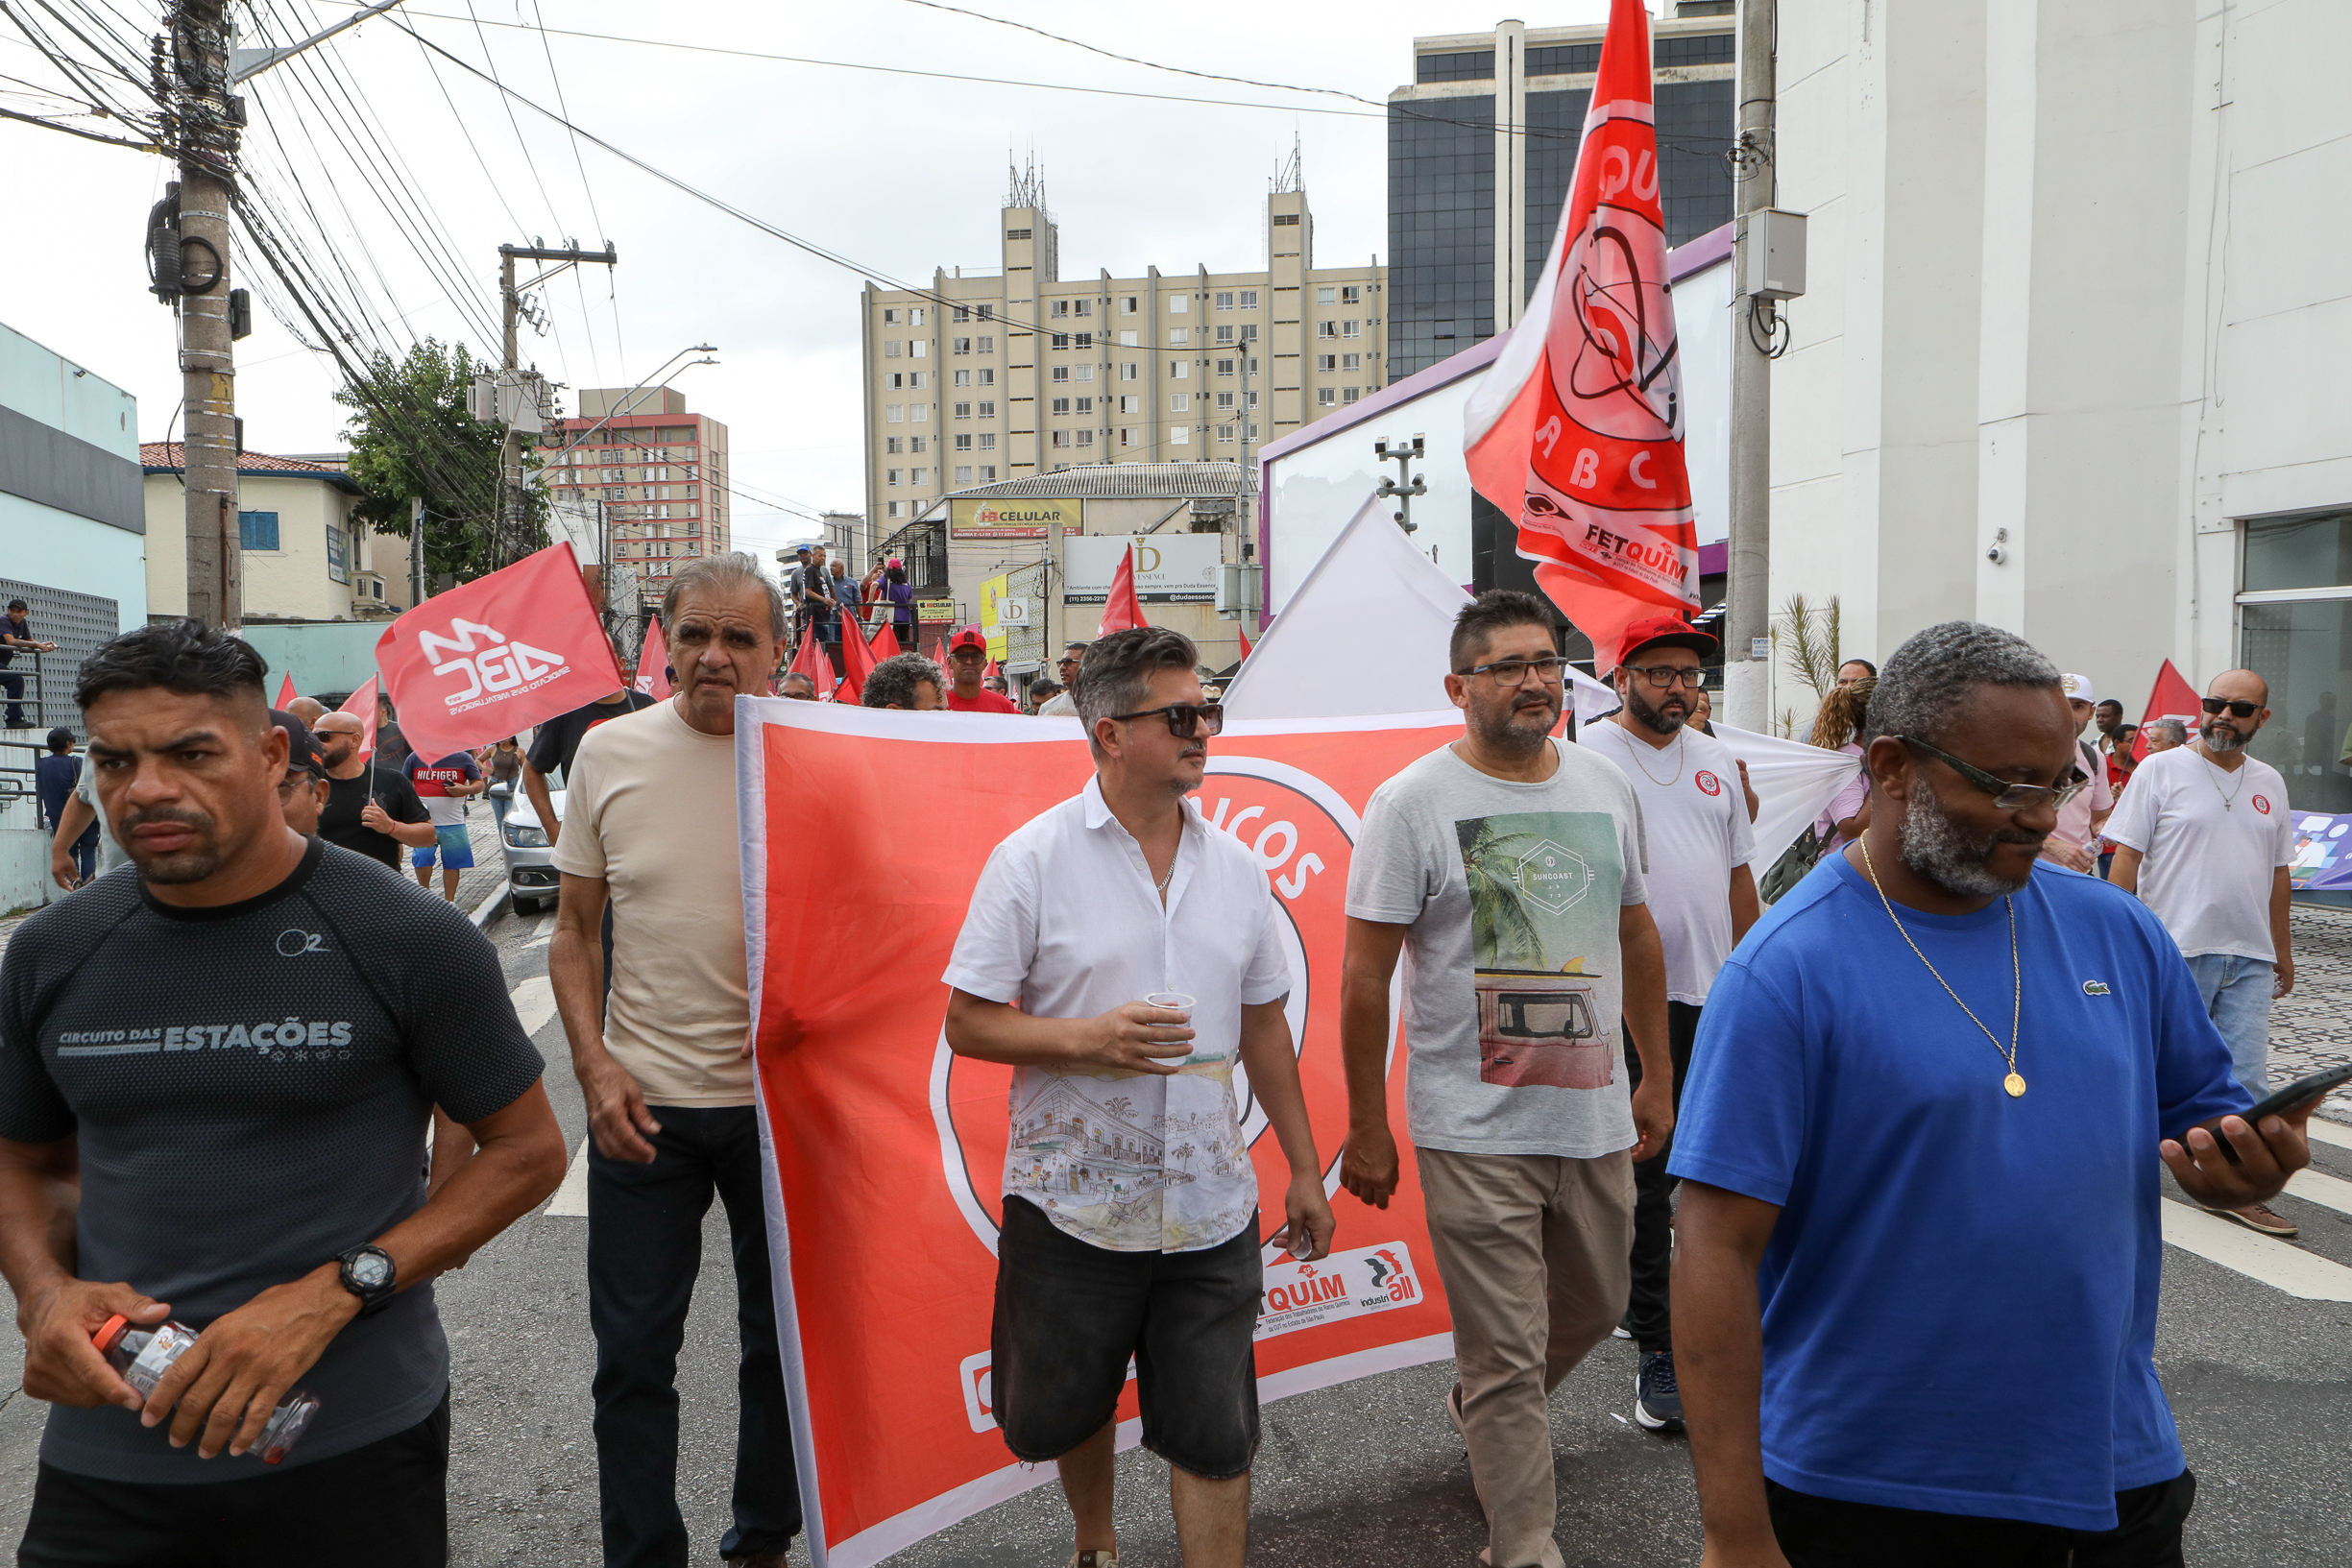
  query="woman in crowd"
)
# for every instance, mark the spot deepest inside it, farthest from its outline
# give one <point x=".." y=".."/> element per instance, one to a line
<point x="1840" y="726"/>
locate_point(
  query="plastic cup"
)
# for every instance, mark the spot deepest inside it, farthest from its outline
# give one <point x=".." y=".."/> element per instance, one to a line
<point x="1174" y="1001"/>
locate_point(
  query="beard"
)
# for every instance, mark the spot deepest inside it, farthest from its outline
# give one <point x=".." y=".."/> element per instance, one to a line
<point x="1935" y="847"/>
<point x="1667" y="716"/>
<point x="192" y="864"/>
<point x="2219" y="738"/>
<point x="1516" y="727"/>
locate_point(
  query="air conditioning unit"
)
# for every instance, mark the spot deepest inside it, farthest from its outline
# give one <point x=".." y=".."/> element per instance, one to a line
<point x="368" y="591"/>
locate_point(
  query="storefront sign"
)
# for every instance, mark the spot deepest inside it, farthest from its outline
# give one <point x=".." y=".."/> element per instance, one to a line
<point x="1170" y="568"/>
<point x="1013" y="518"/>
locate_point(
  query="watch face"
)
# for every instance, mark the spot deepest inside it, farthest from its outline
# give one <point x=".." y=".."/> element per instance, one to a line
<point x="370" y="1269"/>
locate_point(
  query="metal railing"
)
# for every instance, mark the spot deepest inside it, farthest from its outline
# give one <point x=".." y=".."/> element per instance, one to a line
<point x="16" y="782"/>
<point x="25" y="692"/>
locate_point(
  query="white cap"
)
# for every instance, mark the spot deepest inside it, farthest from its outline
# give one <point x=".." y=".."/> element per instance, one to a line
<point x="2077" y="689"/>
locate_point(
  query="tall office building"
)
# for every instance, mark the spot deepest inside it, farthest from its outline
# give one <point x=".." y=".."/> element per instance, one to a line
<point x="1475" y="194"/>
<point x="996" y="376"/>
<point x="660" y="470"/>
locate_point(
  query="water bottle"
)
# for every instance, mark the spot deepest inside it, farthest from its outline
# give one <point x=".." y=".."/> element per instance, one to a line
<point x="142" y="1356"/>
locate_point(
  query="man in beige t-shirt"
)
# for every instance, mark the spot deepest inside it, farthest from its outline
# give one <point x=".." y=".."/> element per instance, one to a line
<point x="650" y="827"/>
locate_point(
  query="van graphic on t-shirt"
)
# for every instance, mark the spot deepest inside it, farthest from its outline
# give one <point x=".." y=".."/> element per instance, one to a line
<point x="1532" y="929"/>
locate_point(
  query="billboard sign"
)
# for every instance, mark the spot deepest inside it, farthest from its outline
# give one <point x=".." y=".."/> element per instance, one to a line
<point x="1170" y="568"/>
<point x="1011" y="518"/>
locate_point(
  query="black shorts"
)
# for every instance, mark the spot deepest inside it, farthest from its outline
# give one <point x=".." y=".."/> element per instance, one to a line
<point x="383" y="1505"/>
<point x="1068" y="1315"/>
<point x="1822" y="1532"/>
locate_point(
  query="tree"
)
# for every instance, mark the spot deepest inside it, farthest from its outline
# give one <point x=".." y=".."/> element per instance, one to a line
<point x="412" y="437"/>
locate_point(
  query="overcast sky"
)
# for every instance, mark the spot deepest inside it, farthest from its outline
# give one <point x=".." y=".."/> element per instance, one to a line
<point x="897" y="172"/>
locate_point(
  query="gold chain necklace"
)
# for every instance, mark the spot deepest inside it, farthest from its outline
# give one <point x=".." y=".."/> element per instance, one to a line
<point x="2014" y="1082"/>
<point x="1682" y="739"/>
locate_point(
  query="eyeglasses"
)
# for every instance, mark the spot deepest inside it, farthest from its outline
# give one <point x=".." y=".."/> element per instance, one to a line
<point x="1514" y="672"/>
<point x="293" y="781"/>
<point x="1662" y="676"/>
<point x="2237" y="710"/>
<point x="2007" y="796"/>
<point x="1186" y="719"/>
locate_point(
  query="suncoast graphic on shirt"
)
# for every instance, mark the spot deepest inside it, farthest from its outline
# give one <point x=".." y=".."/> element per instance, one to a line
<point x="1535" y="927"/>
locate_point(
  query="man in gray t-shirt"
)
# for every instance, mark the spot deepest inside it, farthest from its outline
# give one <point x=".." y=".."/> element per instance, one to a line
<point x="1508" y="870"/>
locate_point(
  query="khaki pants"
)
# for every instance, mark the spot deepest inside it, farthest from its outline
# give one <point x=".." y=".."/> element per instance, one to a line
<point x="1533" y="1249"/>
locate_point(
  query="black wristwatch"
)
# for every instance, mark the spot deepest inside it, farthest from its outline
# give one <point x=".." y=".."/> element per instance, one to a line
<point x="368" y="1273"/>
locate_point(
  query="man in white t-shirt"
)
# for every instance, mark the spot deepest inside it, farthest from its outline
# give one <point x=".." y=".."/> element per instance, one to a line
<point x="1703" y="896"/>
<point x="2204" y="838"/>
<point x="1510" y="869"/>
<point x="2074" y="843"/>
<point x="650" y="827"/>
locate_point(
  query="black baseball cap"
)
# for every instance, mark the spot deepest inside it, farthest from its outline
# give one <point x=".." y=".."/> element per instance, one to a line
<point x="302" y="746"/>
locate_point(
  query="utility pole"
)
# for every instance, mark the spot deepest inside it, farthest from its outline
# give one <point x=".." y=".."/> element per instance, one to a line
<point x="1747" y="653"/>
<point x="518" y="402"/>
<point x="188" y="250"/>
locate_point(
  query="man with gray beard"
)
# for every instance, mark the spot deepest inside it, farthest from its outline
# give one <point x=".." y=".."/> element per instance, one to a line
<point x="1919" y="1247"/>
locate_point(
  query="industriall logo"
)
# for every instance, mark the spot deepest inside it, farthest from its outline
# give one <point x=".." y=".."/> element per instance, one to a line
<point x="2262" y="804"/>
<point x="1708" y="783"/>
<point x="506" y="668"/>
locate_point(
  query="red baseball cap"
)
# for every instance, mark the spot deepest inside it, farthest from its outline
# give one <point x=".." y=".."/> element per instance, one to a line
<point x="1664" y="631"/>
<point x="968" y="638"/>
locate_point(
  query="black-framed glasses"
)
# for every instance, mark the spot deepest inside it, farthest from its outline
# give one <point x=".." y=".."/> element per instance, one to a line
<point x="1186" y="719"/>
<point x="2006" y="795"/>
<point x="1662" y="676"/>
<point x="2237" y="710"/>
<point x="1514" y="672"/>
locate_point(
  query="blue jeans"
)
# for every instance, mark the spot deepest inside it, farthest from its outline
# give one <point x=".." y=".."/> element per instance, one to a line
<point x="2237" y="993"/>
<point x="644" y="1248"/>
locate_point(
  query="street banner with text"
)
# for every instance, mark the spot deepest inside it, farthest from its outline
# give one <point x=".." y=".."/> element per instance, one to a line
<point x="492" y="656"/>
<point x="886" y="1149"/>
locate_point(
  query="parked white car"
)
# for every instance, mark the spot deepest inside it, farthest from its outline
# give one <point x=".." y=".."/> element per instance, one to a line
<point x="531" y="878"/>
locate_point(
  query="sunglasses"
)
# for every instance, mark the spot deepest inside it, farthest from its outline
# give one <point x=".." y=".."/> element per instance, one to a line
<point x="1186" y="719"/>
<point x="2237" y="710"/>
<point x="2007" y="796"/>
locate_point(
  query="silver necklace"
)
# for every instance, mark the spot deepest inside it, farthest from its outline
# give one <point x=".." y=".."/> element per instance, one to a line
<point x="2229" y="802"/>
<point x="1681" y="739"/>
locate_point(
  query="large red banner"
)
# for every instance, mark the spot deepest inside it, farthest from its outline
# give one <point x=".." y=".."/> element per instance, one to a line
<point x="885" y="1149"/>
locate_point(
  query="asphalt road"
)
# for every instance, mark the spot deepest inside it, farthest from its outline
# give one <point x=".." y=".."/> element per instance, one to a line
<point x="1368" y="1475"/>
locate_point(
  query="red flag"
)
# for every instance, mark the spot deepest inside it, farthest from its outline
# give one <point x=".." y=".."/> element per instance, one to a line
<point x="857" y="661"/>
<point x="811" y="662"/>
<point x="1123" y="610"/>
<point x="497" y="655"/>
<point x="653" y="661"/>
<point x="286" y="692"/>
<point x="1245" y="637"/>
<point x="2173" y="698"/>
<point x="885" y="643"/>
<point x="1577" y="431"/>
<point x="361" y="705"/>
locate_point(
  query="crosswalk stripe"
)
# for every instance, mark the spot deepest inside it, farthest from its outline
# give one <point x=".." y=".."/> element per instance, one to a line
<point x="2329" y="1132"/>
<point x="571" y="1197"/>
<point x="2319" y="1187"/>
<point x="2290" y="1269"/>
<point x="534" y="1002"/>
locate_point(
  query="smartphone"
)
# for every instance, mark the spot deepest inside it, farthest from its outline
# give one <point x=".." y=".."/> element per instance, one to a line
<point x="2298" y="1092"/>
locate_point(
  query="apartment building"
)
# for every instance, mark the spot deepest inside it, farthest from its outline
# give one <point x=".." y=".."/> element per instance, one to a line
<point x="1482" y="146"/>
<point x="658" y="470"/>
<point x="999" y="376"/>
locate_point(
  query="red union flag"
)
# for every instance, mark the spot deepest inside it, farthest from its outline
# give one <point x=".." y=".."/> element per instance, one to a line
<point x="1577" y="431"/>
<point x="495" y="655"/>
<point x="653" y="663"/>
<point x="2173" y="698"/>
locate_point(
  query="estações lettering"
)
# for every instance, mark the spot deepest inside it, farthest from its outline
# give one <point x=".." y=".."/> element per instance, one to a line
<point x="283" y="1035"/>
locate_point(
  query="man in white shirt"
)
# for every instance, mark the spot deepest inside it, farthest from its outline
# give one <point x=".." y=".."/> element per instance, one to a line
<point x="2074" y="843"/>
<point x="2204" y="837"/>
<point x="1511" y="869"/>
<point x="1143" y="948"/>
<point x="1064" y="703"/>
<point x="650" y="816"/>
<point x="1703" y="898"/>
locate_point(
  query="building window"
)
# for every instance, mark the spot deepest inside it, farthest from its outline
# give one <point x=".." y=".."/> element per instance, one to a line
<point x="1352" y="362"/>
<point x="914" y="444"/>
<point x="921" y="413"/>
<point x="962" y="346"/>
<point x="894" y="414"/>
<point x="1083" y="340"/>
<point x="964" y="313"/>
<point x="1061" y="340"/>
<point x="914" y="380"/>
<point x="1061" y="308"/>
<point x="1326" y="397"/>
<point x="963" y="443"/>
<point x="895" y="382"/>
<point x="1083" y="372"/>
<point x="1224" y="401"/>
<point x="963" y="411"/>
<point x="987" y="313"/>
<point x="893" y="476"/>
<point x="1127" y="435"/>
<point x="1351" y="293"/>
<point x="1061" y="406"/>
<point x="1283" y="220"/>
<point x="894" y="506"/>
<point x="1061" y="373"/>
<point x="892" y="445"/>
<point x="1181" y="435"/>
<point x="1250" y="398"/>
<point x="1131" y="340"/>
<point x="1178" y="304"/>
<point x="1081" y="307"/>
<point x="1347" y="395"/>
<point x="1326" y="363"/>
<point x="1224" y="432"/>
<point x="917" y="348"/>
<point x="1250" y="299"/>
<point x="1131" y="371"/>
<point x="919" y="477"/>
<point x="1224" y="334"/>
<point x="1327" y="296"/>
<point x="1326" y="329"/>
<point x="1225" y="367"/>
<point x="1179" y="370"/>
<point x="987" y="473"/>
<point x="1083" y="438"/>
<point x="1179" y="402"/>
<point x="1127" y="304"/>
<point x="963" y="378"/>
<point x="987" y="409"/>
<point x="1351" y="329"/>
<point x="1250" y="334"/>
<point x="1224" y="298"/>
<point x="1130" y="405"/>
<point x="987" y="375"/>
<point x="1061" y="438"/>
<point x="1016" y="234"/>
<point x="889" y="316"/>
<point x="1086" y="405"/>
<point x="963" y="474"/>
<point x="987" y="441"/>
<point x="891" y="348"/>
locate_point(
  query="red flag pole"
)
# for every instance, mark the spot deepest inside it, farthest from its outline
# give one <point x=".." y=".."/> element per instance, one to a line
<point x="286" y="692"/>
<point x="1123" y="609"/>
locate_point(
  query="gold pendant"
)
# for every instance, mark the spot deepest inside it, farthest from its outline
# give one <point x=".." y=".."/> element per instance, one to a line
<point x="2014" y="1084"/>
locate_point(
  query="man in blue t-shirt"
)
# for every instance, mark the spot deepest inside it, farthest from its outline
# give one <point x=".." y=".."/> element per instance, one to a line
<point x="1919" y="1245"/>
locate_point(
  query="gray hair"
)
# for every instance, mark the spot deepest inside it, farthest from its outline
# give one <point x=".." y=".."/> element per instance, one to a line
<point x="1921" y="690"/>
<point x="2171" y="731"/>
<point x="726" y="573"/>
<point x="1116" y="675"/>
<point x="891" y="683"/>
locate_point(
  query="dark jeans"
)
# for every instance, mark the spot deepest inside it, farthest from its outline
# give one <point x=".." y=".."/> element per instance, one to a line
<point x="15" y="684"/>
<point x="84" y="852"/>
<point x="1648" y="1313"/>
<point x="381" y="1505"/>
<point x="1819" y="1532"/>
<point x="644" y="1248"/>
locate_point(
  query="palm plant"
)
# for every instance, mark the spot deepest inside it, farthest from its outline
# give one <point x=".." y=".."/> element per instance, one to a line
<point x="1807" y="639"/>
<point x="1501" y="930"/>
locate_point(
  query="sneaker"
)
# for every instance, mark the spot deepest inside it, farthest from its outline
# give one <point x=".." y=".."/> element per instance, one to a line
<point x="1625" y="1327"/>
<point x="2262" y="1219"/>
<point x="1094" y="1557"/>
<point x="1658" y="1400"/>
